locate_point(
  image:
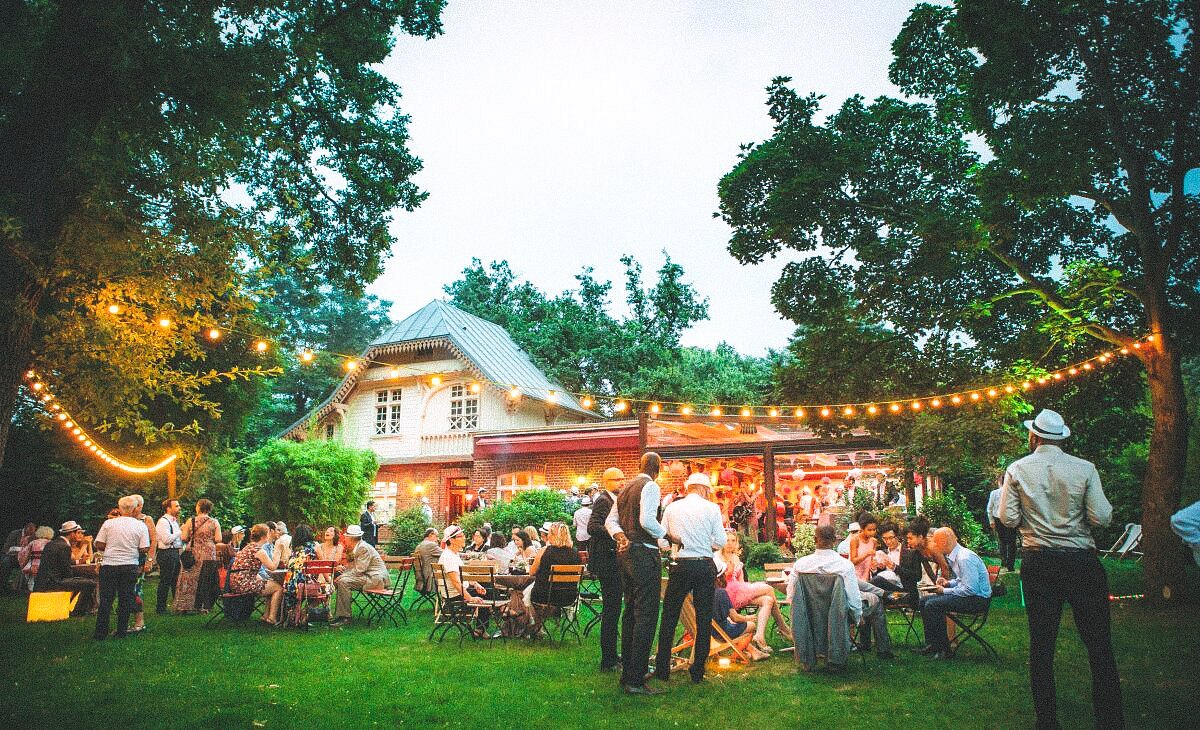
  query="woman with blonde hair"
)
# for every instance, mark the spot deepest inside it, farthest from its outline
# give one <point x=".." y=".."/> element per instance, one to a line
<point x="742" y="593"/>
<point x="559" y="550"/>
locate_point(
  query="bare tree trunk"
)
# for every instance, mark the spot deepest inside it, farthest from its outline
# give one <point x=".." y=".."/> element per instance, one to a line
<point x="1161" y="491"/>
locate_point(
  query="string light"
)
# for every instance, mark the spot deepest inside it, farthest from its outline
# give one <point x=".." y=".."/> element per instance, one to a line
<point x="261" y="346"/>
<point x="586" y="402"/>
<point x="214" y="334"/>
<point x="621" y="406"/>
<point x="686" y="410"/>
<point x="114" y="309"/>
<point x="825" y="412"/>
<point x="164" y="322"/>
<point x="655" y="408"/>
<point x="799" y="413"/>
<point x="86" y="442"/>
<point x="436" y="380"/>
<point x="715" y="412"/>
<point x="746" y="412"/>
<point x="351" y="365"/>
<point x="475" y="387"/>
<point x="774" y="413"/>
<point x="306" y="356"/>
<point x="514" y="392"/>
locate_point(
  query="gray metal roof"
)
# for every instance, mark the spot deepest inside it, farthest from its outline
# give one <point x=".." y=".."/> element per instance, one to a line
<point x="487" y="345"/>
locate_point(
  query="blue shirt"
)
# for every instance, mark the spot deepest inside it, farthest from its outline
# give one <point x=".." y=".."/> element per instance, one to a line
<point x="721" y="608"/>
<point x="970" y="574"/>
<point x="269" y="549"/>
<point x="1186" y="524"/>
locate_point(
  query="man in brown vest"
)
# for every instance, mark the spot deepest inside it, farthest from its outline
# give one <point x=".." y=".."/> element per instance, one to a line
<point x="641" y="571"/>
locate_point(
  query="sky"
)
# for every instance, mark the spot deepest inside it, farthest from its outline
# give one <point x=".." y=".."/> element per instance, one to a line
<point x="565" y="134"/>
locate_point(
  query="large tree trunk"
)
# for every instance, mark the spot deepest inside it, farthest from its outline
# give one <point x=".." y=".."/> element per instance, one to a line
<point x="1164" y="558"/>
<point x="16" y="334"/>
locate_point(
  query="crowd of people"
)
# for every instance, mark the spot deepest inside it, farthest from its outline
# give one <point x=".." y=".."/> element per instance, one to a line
<point x="622" y="529"/>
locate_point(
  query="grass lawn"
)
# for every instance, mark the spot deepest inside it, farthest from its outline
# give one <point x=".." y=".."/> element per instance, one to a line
<point x="182" y="675"/>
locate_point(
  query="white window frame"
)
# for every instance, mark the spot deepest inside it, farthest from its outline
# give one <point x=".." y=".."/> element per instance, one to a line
<point x="388" y="411"/>
<point x="464" y="409"/>
<point x="509" y="484"/>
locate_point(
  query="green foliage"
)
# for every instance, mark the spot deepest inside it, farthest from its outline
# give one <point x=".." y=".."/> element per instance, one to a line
<point x="529" y="507"/>
<point x="217" y="478"/>
<point x="408" y="529"/>
<point x="318" y="482"/>
<point x="950" y="509"/>
<point x="804" y="541"/>
<point x="864" y="501"/>
<point x="761" y="553"/>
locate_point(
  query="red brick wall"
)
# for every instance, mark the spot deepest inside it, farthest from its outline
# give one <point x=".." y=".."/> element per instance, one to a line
<point x="433" y="477"/>
<point x="561" y="470"/>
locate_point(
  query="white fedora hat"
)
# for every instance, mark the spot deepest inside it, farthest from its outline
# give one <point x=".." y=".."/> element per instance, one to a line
<point x="700" y="478"/>
<point x="1048" y="425"/>
<point x="354" y="531"/>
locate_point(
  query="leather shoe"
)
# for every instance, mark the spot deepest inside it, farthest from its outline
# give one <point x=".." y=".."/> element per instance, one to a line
<point x="697" y="679"/>
<point x="940" y="655"/>
<point x="660" y="677"/>
<point x="642" y="690"/>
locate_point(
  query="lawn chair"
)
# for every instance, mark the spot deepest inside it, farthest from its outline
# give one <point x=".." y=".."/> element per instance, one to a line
<point x="1127" y="544"/>
<point x="449" y="613"/>
<point x="562" y="606"/>
<point x="683" y="653"/>
<point x="388" y="602"/>
<point x="426" y="594"/>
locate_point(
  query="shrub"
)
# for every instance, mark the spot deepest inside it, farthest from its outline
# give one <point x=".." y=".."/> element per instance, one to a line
<point x="530" y="507"/>
<point x="318" y="482"/>
<point x="950" y="508"/>
<point x="864" y="501"/>
<point x="804" y="542"/>
<point x="761" y="553"/>
<point x="408" y="529"/>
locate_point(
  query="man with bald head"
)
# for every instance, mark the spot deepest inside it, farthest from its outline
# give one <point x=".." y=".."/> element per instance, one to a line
<point x="969" y="590"/>
<point x="602" y="563"/>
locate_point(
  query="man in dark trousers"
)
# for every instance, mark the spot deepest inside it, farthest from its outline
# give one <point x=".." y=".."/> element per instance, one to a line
<point x="366" y="521"/>
<point x="694" y="529"/>
<point x="55" y="574"/>
<point x="637" y="535"/>
<point x="602" y="562"/>
<point x="1054" y="500"/>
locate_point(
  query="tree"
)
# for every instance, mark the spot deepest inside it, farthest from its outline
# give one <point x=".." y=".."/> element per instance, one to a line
<point x="1075" y="227"/>
<point x="318" y="482"/>
<point x="127" y="133"/>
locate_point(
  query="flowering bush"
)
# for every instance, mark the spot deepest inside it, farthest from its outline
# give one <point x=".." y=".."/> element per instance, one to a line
<point x="804" y="541"/>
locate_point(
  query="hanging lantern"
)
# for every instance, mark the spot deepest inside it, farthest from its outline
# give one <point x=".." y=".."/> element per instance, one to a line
<point x="727" y="476"/>
<point x="798" y="475"/>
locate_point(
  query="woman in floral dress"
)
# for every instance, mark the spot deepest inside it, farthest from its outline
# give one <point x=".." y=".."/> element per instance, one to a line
<point x="304" y="549"/>
<point x="198" y="585"/>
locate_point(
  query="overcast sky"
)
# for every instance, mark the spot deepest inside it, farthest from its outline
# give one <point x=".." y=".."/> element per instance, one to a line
<point x="563" y="134"/>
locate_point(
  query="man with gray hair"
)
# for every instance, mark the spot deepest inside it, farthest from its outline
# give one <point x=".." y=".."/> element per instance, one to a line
<point x="123" y="540"/>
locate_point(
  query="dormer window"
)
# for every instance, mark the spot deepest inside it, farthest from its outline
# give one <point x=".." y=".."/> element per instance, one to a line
<point x="464" y="409"/>
<point x="387" y="412"/>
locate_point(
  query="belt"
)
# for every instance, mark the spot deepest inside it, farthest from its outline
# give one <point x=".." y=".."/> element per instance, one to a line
<point x="1058" y="550"/>
<point x="164" y="549"/>
<point x="685" y="560"/>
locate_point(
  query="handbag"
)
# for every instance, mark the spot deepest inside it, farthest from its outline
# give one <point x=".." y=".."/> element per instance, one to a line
<point x="187" y="558"/>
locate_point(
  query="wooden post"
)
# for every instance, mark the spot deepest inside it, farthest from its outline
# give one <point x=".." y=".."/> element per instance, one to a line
<point x="769" y="490"/>
<point x="171" y="481"/>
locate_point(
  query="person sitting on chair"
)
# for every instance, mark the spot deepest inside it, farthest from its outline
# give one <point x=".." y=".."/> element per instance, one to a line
<point x="55" y="574"/>
<point x="969" y="590"/>
<point x="427" y="553"/>
<point x="558" y="551"/>
<point x="887" y="562"/>
<point x="739" y="628"/>
<point x="497" y="552"/>
<point x="367" y="570"/>
<point x="743" y="594"/>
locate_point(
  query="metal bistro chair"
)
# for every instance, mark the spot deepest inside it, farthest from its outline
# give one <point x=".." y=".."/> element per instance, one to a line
<point x="562" y="604"/>
<point x="427" y="593"/>
<point x="388" y="603"/>
<point x="220" y="609"/>
<point x="969" y="624"/>
<point x="317" y="588"/>
<point x="591" y="598"/>
<point x="449" y="613"/>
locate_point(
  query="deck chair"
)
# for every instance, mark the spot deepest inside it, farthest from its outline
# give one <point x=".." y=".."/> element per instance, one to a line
<point x="561" y="611"/>
<point x="426" y="594"/>
<point x="387" y="603"/>
<point x="1127" y="544"/>
<point x="449" y="613"/>
<point x="683" y="654"/>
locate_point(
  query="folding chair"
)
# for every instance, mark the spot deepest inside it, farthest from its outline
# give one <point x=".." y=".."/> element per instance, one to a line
<point x="562" y="606"/>
<point x="1125" y="542"/>
<point x="388" y="603"/>
<point x="776" y="576"/>
<point x="590" y="599"/>
<point x="317" y="588"/>
<point x="967" y="626"/>
<point x="908" y="619"/>
<point x="426" y="593"/>
<point x="449" y="613"/>
<point x="483" y="572"/>
<point x="683" y="653"/>
<point x="219" y="611"/>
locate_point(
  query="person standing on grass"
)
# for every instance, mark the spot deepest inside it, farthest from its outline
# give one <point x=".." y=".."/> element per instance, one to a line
<point x="637" y="535"/>
<point x="693" y="524"/>
<point x="139" y="611"/>
<point x="1006" y="537"/>
<point x="123" y="540"/>
<point x="1054" y="500"/>
<point x="602" y="562"/>
<point x="170" y="541"/>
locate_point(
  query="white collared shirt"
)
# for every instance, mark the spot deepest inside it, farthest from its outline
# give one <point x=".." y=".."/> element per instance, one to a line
<point x="830" y="563"/>
<point x="1054" y="499"/>
<point x="168" y="534"/>
<point x="694" y="527"/>
<point x="124" y="538"/>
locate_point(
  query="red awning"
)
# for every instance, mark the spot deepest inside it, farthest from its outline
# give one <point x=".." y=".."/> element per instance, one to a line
<point x="585" y="439"/>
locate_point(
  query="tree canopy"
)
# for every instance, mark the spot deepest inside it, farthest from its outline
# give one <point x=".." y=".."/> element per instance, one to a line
<point x="153" y="157"/>
<point x="1029" y="197"/>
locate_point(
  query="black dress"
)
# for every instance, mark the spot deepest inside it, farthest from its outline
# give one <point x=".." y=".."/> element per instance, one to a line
<point x="553" y="556"/>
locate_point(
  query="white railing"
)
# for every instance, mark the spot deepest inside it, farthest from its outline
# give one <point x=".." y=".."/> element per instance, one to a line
<point x="447" y="444"/>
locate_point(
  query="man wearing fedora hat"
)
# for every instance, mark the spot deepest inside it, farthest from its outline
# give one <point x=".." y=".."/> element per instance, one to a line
<point x="367" y="570"/>
<point x="55" y="574"/>
<point x="1054" y="499"/>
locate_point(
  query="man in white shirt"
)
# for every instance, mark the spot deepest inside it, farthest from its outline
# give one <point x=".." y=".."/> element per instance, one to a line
<point x="581" y="517"/>
<point x="694" y="530"/>
<point x="862" y="607"/>
<point x="170" y="542"/>
<point x="122" y="540"/>
<point x="426" y="510"/>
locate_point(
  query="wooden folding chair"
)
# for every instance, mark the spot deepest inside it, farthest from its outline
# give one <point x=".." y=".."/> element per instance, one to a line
<point x="427" y="594"/>
<point x="683" y="654"/>
<point x="388" y="602"/>
<point x="494" y="596"/>
<point x="449" y="613"/>
<point x="563" y="603"/>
